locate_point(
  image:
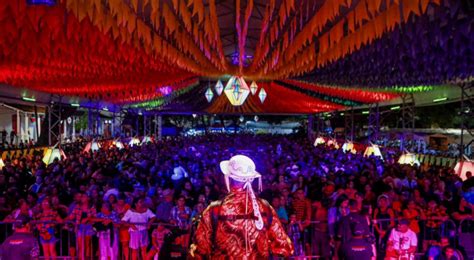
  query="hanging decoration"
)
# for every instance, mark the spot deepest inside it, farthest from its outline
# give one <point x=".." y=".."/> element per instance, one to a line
<point x="147" y="139"/>
<point x="125" y="53"/>
<point x="253" y="87"/>
<point x="262" y="95"/>
<point x="1" y="164"/>
<point x="373" y="150"/>
<point x="408" y="158"/>
<point x="236" y="90"/>
<point x="52" y="153"/>
<point x="462" y="167"/>
<point x="332" y="143"/>
<point x="135" y="141"/>
<point x="117" y="144"/>
<point x="209" y="95"/>
<point x="92" y="146"/>
<point x="219" y="87"/>
<point x="319" y="141"/>
<point x="348" y="147"/>
<point x="255" y="118"/>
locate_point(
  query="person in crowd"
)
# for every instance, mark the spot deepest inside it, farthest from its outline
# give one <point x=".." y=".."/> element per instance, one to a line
<point x="413" y="213"/>
<point x="434" y="218"/>
<point x="24" y="209"/>
<point x="437" y="251"/>
<point x="139" y="218"/>
<point x="163" y="210"/>
<point x="295" y="232"/>
<point x="301" y="206"/>
<point x="358" y="246"/>
<point x="344" y="227"/>
<point x="251" y="222"/>
<point x="280" y="210"/>
<point x="402" y="242"/>
<point x="82" y="216"/>
<point x="121" y="207"/>
<point x="22" y="245"/>
<point x="384" y="220"/>
<point x="157" y="240"/>
<point x="320" y="236"/>
<point x="105" y="224"/>
<point x="181" y="217"/>
<point x="335" y="215"/>
<point x="48" y="217"/>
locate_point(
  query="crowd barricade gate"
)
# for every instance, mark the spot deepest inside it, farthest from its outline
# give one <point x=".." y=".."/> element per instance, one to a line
<point x="67" y="244"/>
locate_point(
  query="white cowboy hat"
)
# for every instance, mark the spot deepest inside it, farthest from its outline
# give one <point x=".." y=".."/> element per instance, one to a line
<point x="242" y="169"/>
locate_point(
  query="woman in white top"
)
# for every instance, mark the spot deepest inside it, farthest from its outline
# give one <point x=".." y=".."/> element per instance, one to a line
<point x="140" y="218"/>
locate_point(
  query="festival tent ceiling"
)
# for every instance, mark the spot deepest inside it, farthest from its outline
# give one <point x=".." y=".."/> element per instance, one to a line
<point x="309" y="56"/>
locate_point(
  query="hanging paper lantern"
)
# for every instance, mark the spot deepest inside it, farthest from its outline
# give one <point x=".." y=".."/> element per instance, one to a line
<point x="52" y="153"/>
<point x="373" y="150"/>
<point x="348" y="147"/>
<point x="117" y="144"/>
<point x="463" y="167"/>
<point x="236" y="91"/>
<point x="253" y="87"/>
<point x="262" y="95"/>
<point x="241" y="119"/>
<point x="146" y="140"/>
<point x="209" y="95"/>
<point x="134" y="141"/>
<point x="219" y="87"/>
<point x="1" y="164"/>
<point x="408" y="158"/>
<point x="320" y="140"/>
<point x="92" y="146"/>
<point x="255" y="118"/>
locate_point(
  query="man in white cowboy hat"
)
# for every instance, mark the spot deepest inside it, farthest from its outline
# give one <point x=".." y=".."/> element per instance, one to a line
<point x="241" y="226"/>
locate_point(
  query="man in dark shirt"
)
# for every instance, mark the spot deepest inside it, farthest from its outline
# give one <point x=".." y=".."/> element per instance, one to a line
<point x="22" y="245"/>
<point x="354" y="233"/>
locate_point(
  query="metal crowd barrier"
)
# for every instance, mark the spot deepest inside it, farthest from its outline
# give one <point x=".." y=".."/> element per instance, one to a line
<point x="317" y="244"/>
<point x="68" y="244"/>
<point x="314" y="239"/>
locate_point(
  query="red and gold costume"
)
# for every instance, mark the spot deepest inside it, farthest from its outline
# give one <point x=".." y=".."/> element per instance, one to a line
<point x="227" y="232"/>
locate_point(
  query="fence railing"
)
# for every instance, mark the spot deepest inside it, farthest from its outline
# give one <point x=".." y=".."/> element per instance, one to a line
<point x="86" y="241"/>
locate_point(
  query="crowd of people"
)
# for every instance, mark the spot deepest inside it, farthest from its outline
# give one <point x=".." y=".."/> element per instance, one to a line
<point x="126" y="203"/>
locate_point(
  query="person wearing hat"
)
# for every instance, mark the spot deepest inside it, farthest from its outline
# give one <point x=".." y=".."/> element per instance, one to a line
<point x="22" y="245"/>
<point x="241" y="226"/>
<point x="402" y="242"/>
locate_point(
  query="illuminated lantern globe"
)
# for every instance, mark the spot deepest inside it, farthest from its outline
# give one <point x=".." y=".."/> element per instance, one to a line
<point x="135" y="141"/>
<point x="319" y="141"/>
<point x="463" y="167"/>
<point x="1" y="164"/>
<point x="236" y="91"/>
<point x="348" y="147"/>
<point x="92" y="146"/>
<point x="373" y="150"/>
<point x="117" y="144"/>
<point x="408" y="158"/>
<point x="146" y="140"/>
<point x="52" y="153"/>
<point x="219" y="87"/>
<point x="253" y="87"/>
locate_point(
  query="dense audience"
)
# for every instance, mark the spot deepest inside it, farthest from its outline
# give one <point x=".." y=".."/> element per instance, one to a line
<point x="128" y="202"/>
